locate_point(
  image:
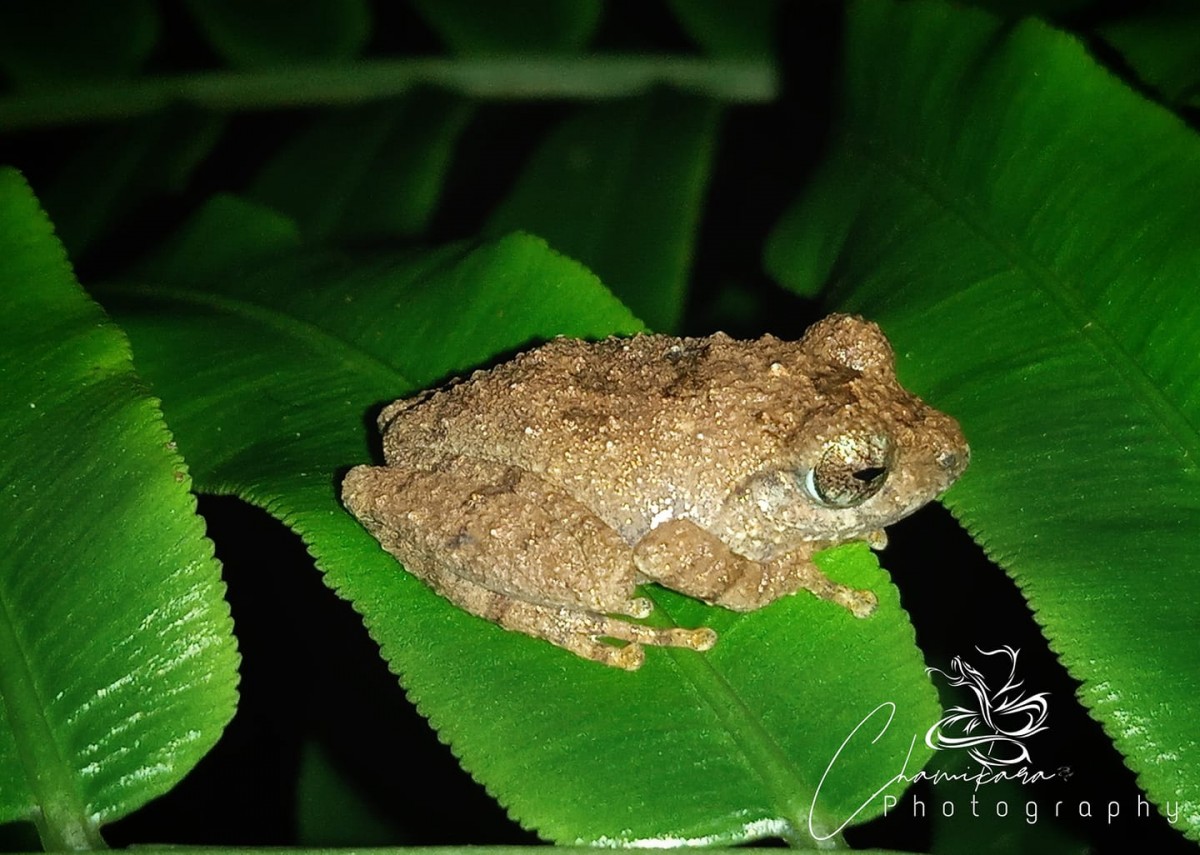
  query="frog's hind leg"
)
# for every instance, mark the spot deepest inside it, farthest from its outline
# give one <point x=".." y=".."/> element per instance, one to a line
<point x="511" y="548"/>
<point x="578" y="631"/>
<point x="504" y="529"/>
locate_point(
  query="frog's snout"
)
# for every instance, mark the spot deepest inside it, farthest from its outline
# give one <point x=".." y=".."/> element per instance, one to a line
<point x="954" y="460"/>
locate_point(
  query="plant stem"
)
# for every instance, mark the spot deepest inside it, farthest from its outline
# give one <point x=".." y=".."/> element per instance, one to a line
<point x="800" y="840"/>
<point x="514" y="77"/>
<point x="60" y="813"/>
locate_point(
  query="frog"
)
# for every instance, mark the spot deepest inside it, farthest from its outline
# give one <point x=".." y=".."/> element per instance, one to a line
<point x="542" y="494"/>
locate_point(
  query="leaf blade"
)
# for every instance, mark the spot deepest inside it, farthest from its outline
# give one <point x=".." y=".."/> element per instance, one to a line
<point x="550" y="735"/>
<point x="366" y="173"/>
<point x="265" y="35"/>
<point x="1042" y="295"/>
<point x="727" y="31"/>
<point x="118" y="679"/>
<point x="620" y="187"/>
<point x="42" y="46"/>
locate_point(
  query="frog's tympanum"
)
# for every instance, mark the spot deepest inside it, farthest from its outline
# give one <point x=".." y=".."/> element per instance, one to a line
<point x="539" y="494"/>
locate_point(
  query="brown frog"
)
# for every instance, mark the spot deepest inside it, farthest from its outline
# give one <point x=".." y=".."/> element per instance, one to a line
<point x="539" y="494"/>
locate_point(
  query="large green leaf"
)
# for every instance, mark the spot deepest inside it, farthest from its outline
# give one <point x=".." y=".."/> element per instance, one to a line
<point x="1025" y="227"/>
<point x="620" y="187"/>
<point x="1045" y="9"/>
<point x="270" y="372"/>
<point x="117" y="662"/>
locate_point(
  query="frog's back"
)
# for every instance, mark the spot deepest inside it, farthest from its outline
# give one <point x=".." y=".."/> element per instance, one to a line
<point x="658" y="420"/>
<point x="582" y="392"/>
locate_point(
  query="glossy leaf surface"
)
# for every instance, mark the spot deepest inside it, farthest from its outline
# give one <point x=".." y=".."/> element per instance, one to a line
<point x="117" y="661"/>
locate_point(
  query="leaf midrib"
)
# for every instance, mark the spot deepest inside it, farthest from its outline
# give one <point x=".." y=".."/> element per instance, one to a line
<point x="766" y="756"/>
<point x="320" y="339"/>
<point x="60" y="810"/>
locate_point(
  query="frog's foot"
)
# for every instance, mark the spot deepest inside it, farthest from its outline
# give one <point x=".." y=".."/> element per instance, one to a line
<point x="574" y="629"/>
<point x="583" y="633"/>
<point x="877" y="539"/>
<point x="638" y="607"/>
<point x="861" y="604"/>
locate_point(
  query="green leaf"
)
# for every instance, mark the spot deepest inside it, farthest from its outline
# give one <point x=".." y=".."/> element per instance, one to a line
<point x="726" y="746"/>
<point x="518" y="26"/>
<point x="731" y="30"/>
<point x="620" y="186"/>
<point x="1162" y="43"/>
<point x="117" y="661"/>
<point x="265" y="33"/>
<point x="224" y="236"/>
<point x="47" y="44"/>
<point x="120" y="166"/>
<point x="1024" y="226"/>
<point x="366" y="172"/>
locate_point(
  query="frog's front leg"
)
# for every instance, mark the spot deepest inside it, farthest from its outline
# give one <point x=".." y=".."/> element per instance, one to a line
<point x="684" y="557"/>
<point x="506" y="545"/>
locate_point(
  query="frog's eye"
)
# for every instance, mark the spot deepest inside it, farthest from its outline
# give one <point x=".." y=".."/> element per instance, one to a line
<point x="852" y="469"/>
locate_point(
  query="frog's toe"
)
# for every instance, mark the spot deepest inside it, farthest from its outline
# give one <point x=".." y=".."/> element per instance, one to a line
<point x="861" y="603"/>
<point x="630" y="657"/>
<point x="703" y="638"/>
<point x="639" y="607"/>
